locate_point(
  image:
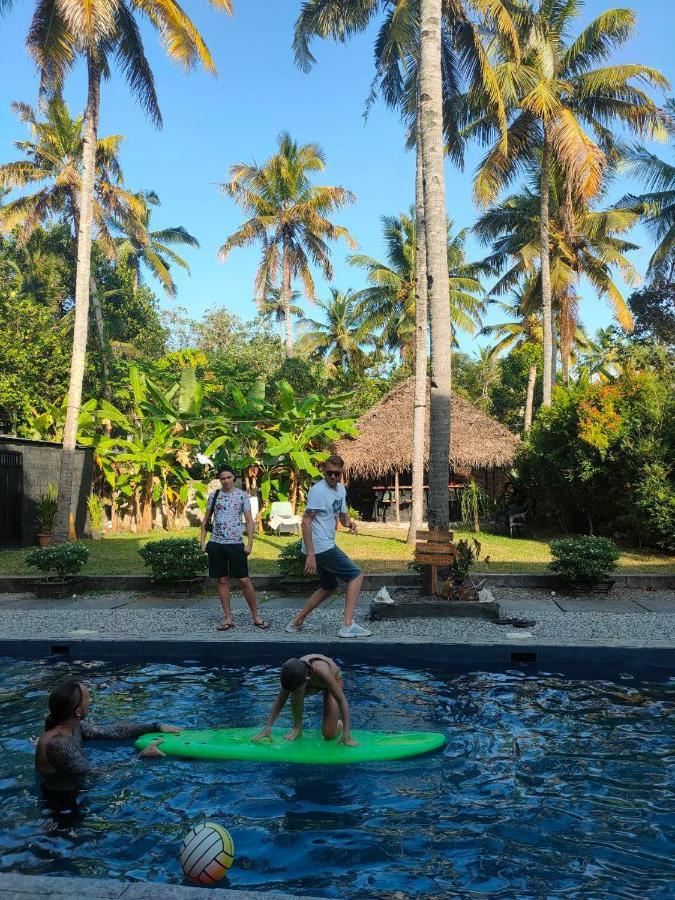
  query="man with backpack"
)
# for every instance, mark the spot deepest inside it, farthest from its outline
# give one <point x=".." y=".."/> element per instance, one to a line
<point x="228" y="555"/>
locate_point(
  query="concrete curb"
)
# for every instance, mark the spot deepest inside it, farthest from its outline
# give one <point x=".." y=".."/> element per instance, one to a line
<point x="40" y="887"/>
<point x="512" y="650"/>
<point x="371" y="581"/>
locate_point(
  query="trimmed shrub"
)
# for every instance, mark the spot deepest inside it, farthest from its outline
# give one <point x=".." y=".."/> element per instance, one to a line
<point x="584" y="559"/>
<point x="59" y="560"/>
<point x="173" y="558"/>
<point x="291" y="561"/>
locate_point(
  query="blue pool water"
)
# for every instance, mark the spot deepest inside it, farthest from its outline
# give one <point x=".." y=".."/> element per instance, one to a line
<point x="547" y="787"/>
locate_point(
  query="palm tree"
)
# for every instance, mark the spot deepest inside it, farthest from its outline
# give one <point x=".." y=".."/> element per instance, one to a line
<point x="389" y="305"/>
<point x="289" y="217"/>
<point x="556" y="95"/>
<point x="53" y="164"/>
<point x="457" y="53"/>
<point x="582" y="242"/>
<point x="141" y="246"/>
<point x="61" y="32"/>
<point x="658" y="206"/>
<point x="273" y="308"/>
<point x="338" y="341"/>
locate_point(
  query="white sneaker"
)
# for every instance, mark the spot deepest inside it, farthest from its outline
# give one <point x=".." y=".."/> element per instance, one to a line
<point x="293" y="629"/>
<point x="353" y="631"/>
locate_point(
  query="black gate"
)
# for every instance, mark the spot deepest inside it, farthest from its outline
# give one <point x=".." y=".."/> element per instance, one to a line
<point x="11" y="496"/>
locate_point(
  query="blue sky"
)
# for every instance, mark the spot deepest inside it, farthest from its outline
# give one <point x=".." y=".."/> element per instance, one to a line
<point x="210" y="123"/>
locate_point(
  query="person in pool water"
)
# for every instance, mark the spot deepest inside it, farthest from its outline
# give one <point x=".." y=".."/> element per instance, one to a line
<point x="300" y="678"/>
<point x="60" y="752"/>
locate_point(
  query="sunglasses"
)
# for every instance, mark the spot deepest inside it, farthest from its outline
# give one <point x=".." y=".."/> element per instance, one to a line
<point x="332" y="473"/>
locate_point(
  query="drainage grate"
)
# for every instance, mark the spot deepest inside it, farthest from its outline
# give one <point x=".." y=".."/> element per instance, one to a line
<point x="524" y="657"/>
<point x="61" y="649"/>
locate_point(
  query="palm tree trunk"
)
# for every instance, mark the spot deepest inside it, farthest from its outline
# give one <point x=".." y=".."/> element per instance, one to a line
<point x="79" y="354"/>
<point x="420" y="401"/>
<point x="436" y="233"/>
<point x="545" y="262"/>
<point x="102" y="342"/>
<point x="286" y="295"/>
<point x="554" y="349"/>
<point x="529" y="398"/>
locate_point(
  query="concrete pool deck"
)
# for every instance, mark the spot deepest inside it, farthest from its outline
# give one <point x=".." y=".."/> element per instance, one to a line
<point x="27" y="887"/>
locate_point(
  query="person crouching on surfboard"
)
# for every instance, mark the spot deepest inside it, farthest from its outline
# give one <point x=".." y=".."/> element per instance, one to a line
<point x="300" y="678"/>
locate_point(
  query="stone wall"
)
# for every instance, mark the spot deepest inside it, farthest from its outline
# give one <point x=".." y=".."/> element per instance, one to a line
<point x="41" y="462"/>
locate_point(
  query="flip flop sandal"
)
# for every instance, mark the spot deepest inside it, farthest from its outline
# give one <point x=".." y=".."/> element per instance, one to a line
<point x="263" y="626"/>
<point x="225" y="626"/>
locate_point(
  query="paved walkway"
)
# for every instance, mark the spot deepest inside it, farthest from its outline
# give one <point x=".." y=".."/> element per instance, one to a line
<point x="631" y="615"/>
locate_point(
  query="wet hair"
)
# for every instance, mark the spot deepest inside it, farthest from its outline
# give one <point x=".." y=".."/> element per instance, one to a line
<point x="335" y="460"/>
<point x="63" y="701"/>
<point x="225" y="468"/>
<point x="294" y="674"/>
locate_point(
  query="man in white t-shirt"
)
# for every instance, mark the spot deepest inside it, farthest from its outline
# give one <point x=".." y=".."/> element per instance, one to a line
<point x="326" y="503"/>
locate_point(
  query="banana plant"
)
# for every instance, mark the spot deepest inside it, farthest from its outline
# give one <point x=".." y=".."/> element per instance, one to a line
<point x="297" y="434"/>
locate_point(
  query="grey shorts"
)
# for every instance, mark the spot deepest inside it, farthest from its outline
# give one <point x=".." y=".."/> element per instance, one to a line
<point x="332" y="566"/>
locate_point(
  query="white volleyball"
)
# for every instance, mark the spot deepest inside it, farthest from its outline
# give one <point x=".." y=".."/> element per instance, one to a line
<point x="207" y="853"/>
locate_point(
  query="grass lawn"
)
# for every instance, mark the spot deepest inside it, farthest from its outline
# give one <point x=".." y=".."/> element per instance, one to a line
<point x="382" y="552"/>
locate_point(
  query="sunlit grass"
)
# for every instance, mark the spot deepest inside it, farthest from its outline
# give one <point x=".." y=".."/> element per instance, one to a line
<point x="387" y="551"/>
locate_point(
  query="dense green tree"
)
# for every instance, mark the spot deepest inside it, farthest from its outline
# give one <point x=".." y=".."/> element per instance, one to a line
<point x="653" y="310"/>
<point x="599" y="460"/>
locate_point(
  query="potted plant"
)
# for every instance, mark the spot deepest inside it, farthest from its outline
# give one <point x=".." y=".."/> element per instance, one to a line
<point x="291" y="564"/>
<point x="46" y="513"/>
<point x="95" y="509"/>
<point x="175" y="563"/>
<point x="61" y="563"/>
<point x="584" y="563"/>
<point x="455" y="586"/>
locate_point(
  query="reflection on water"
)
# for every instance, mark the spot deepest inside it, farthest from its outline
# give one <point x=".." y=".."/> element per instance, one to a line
<point x="547" y="786"/>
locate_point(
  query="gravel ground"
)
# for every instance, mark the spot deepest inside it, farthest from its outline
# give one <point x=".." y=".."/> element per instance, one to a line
<point x="623" y="618"/>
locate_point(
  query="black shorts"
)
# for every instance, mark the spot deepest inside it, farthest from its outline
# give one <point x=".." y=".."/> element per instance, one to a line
<point x="227" y="559"/>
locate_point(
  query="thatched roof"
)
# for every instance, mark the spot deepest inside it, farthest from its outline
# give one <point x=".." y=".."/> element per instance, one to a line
<point x="384" y="442"/>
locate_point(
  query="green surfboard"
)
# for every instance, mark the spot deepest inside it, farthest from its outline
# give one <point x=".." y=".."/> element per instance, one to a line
<point x="311" y="748"/>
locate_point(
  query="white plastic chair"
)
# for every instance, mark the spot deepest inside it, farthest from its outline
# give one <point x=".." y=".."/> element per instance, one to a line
<point x="282" y="519"/>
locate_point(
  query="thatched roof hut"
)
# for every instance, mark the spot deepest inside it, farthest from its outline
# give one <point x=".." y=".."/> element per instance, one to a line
<point x="384" y="442"/>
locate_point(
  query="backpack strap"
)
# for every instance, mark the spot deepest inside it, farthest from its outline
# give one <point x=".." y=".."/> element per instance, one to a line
<point x="213" y="502"/>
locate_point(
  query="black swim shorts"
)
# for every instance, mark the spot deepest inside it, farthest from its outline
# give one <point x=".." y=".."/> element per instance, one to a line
<point x="227" y="559"/>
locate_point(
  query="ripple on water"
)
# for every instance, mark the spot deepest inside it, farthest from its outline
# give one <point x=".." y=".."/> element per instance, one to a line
<point x="547" y="786"/>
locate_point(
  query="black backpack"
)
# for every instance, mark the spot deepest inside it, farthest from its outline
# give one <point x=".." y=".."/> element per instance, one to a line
<point x="209" y="524"/>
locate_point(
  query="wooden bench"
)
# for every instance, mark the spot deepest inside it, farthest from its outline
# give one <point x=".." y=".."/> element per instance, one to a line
<point x="434" y="548"/>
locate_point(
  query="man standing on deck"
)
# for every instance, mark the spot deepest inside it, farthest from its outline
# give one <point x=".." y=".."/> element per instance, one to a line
<point x="326" y="503"/>
<point x="228" y="555"/>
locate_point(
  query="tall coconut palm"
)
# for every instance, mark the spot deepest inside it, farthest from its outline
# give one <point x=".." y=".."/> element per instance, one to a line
<point x="61" y="33"/>
<point x="142" y="247"/>
<point x="389" y="305"/>
<point x="53" y="164"/>
<point x="582" y="242"/>
<point x="398" y="48"/>
<point x="657" y="206"/>
<point x="338" y="341"/>
<point x="562" y="101"/>
<point x="289" y="217"/>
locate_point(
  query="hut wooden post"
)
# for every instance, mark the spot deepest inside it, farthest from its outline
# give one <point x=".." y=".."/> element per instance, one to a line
<point x="397" y="498"/>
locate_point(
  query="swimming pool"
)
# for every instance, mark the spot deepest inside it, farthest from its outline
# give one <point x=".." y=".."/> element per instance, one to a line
<point x="548" y="786"/>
